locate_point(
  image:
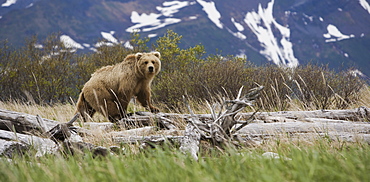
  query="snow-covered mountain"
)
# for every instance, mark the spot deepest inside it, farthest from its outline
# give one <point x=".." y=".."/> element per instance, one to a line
<point x="284" y="32"/>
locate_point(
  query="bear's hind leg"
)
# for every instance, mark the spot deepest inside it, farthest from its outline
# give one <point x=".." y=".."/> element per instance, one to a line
<point x="84" y="108"/>
<point x="113" y="110"/>
<point x="88" y="114"/>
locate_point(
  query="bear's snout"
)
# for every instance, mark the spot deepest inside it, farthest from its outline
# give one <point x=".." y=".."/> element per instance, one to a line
<point x="151" y="69"/>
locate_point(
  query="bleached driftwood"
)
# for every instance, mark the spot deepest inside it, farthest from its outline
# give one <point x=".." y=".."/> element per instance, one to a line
<point x="146" y="119"/>
<point x="22" y="141"/>
<point x="190" y="141"/>
<point x="260" y="131"/>
<point x="12" y="148"/>
<point x="45" y="136"/>
<point x="22" y="122"/>
<point x="345" y="130"/>
<point x="359" y="114"/>
<point x="217" y="128"/>
<point x="222" y="125"/>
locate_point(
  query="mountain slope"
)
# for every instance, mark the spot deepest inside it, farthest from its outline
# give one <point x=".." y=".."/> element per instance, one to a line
<point x="284" y="32"/>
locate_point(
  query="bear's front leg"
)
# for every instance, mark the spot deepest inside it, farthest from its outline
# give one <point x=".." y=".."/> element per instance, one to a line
<point x="144" y="98"/>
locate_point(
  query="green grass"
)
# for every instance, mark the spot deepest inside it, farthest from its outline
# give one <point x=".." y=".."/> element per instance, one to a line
<point x="323" y="161"/>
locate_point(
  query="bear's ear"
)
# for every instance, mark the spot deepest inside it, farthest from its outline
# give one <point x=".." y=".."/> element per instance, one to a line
<point x="157" y="54"/>
<point x="138" y="56"/>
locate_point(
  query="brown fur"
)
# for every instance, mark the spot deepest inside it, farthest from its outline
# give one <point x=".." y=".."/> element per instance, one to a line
<point x="110" y="88"/>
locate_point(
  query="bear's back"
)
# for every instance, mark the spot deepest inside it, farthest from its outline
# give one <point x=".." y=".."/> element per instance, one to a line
<point x="103" y="69"/>
<point x="127" y="63"/>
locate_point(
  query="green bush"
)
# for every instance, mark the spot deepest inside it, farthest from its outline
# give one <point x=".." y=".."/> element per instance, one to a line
<point x="320" y="88"/>
<point x="37" y="74"/>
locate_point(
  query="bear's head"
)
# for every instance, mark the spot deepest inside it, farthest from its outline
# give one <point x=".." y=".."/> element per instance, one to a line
<point x="148" y="64"/>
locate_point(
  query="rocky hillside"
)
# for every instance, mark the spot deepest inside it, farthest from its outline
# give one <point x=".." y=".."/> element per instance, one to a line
<point x="284" y="32"/>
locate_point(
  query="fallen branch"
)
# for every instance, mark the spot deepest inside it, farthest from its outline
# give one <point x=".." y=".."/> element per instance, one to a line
<point x="62" y="131"/>
<point x="219" y="128"/>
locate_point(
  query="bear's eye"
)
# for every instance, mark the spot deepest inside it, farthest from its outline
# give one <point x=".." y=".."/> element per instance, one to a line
<point x="146" y="62"/>
<point x="153" y="62"/>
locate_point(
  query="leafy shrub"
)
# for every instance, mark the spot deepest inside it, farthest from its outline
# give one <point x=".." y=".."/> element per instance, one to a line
<point x="185" y="71"/>
<point x="320" y="88"/>
<point x="276" y="81"/>
<point x="44" y="73"/>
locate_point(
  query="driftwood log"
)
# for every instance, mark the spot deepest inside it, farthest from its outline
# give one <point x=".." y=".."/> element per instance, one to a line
<point x="361" y="114"/>
<point x="20" y="132"/>
<point x="24" y="123"/>
<point x="12" y="143"/>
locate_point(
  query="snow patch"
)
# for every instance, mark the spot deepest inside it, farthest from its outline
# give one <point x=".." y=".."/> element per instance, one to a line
<point x="148" y="22"/>
<point x="237" y="25"/>
<point x="102" y="43"/>
<point x="356" y="73"/>
<point x="193" y="17"/>
<point x="8" y="3"/>
<point x="152" y="35"/>
<point x="238" y="35"/>
<point x="109" y="36"/>
<point x="241" y="54"/>
<point x="240" y="28"/>
<point x="334" y="34"/>
<point x="143" y="20"/>
<point x="212" y="12"/>
<point x="128" y="45"/>
<point x="93" y="49"/>
<point x="86" y="45"/>
<point x="262" y="23"/>
<point x="308" y="17"/>
<point x="70" y="43"/>
<point x="365" y="5"/>
<point x="38" y="46"/>
<point x="30" y="5"/>
<point x="172" y="7"/>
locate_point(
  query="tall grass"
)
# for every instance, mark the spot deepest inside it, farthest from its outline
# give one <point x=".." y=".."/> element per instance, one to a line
<point x="323" y="161"/>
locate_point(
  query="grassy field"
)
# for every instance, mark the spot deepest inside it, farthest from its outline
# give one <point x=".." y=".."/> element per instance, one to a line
<point x="323" y="161"/>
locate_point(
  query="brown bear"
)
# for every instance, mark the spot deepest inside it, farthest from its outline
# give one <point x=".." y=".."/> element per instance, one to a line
<point x="111" y="88"/>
